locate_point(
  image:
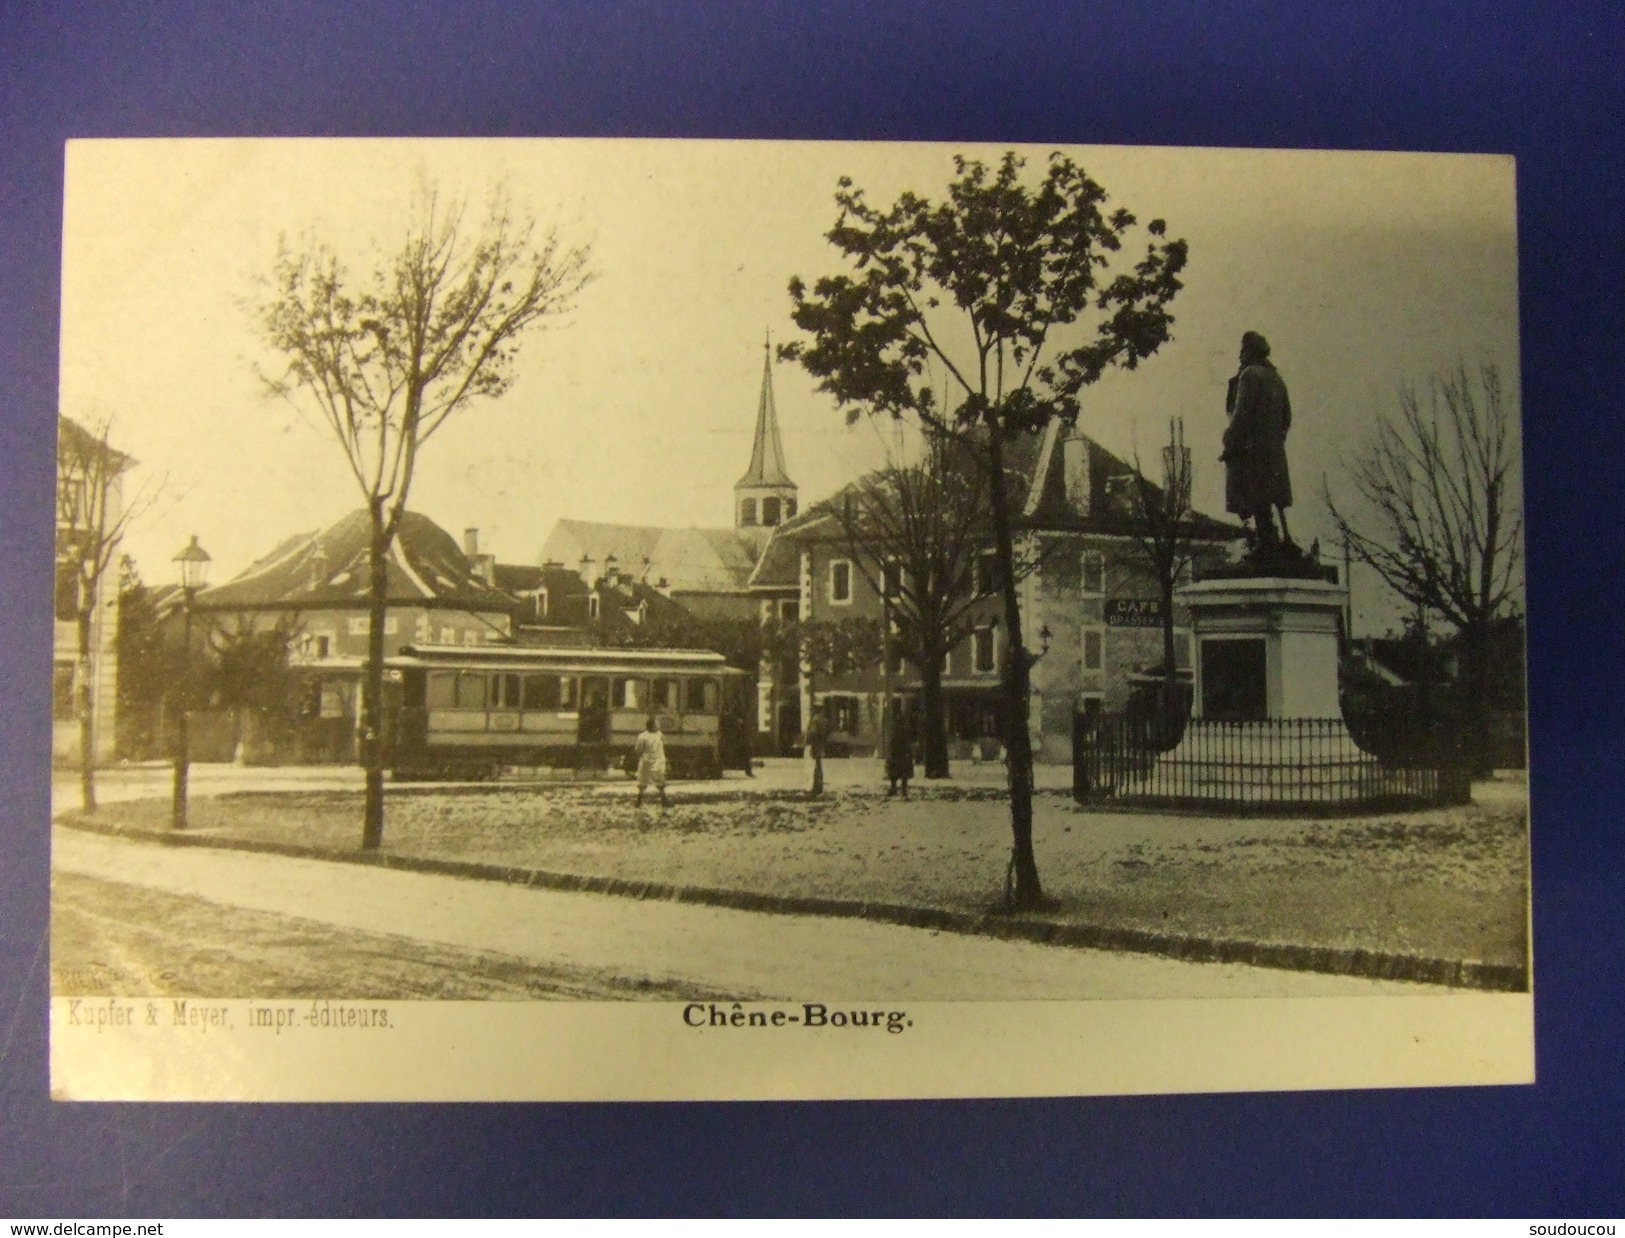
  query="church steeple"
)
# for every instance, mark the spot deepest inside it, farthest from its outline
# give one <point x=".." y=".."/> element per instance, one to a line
<point x="765" y="495"/>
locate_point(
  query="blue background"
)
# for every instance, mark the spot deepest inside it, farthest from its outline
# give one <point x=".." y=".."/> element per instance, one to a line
<point x="1542" y="84"/>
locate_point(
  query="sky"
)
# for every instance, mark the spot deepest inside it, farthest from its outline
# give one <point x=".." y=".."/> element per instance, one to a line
<point x="1366" y="272"/>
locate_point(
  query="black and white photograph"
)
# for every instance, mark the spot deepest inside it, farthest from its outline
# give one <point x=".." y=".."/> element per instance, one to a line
<point x="602" y="619"/>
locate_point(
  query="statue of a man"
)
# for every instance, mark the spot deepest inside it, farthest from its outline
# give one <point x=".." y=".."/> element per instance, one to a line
<point x="1256" y="482"/>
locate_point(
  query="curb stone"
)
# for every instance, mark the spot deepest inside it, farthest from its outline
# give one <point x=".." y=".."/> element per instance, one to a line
<point x="1331" y="960"/>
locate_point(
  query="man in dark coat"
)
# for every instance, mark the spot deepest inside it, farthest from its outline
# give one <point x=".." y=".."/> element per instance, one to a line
<point x="1256" y="478"/>
<point x="900" y="753"/>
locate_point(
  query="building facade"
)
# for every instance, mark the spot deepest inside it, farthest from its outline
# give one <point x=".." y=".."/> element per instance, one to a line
<point x="84" y="646"/>
<point x="315" y="587"/>
<point x="1089" y="603"/>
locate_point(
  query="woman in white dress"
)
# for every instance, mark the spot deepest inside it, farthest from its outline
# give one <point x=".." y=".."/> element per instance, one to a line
<point x="651" y="753"/>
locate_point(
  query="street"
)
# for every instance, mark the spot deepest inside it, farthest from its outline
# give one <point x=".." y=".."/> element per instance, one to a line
<point x="631" y="947"/>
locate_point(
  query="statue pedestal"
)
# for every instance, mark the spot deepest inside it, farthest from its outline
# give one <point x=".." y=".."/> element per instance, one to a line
<point x="1266" y="647"/>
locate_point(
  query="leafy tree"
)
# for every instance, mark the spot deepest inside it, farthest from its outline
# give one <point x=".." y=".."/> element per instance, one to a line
<point x="1438" y="481"/>
<point x="252" y="675"/>
<point x="1010" y="290"/>
<point x="150" y="664"/>
<point x="388" y="360"/>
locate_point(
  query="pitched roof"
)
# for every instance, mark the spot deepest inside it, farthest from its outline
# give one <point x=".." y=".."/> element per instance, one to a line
<point x="73" y="440"/>
<point x="692" y="559"/>
<point x="328" y="569"/>
<point x="766" y="451"/>
<point x="1036" y="465"/>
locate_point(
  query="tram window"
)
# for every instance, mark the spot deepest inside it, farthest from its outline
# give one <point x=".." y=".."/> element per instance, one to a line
<point x="569" y="692"/>
<point x="701" y="697"/>
<point x="504" y="691"/>
<point x="628" y="693"/>
<point x="470" y="691"/>
<point x="442" y="689"/>
<point x="541" y="692"/>
<point x="663" y="694"/>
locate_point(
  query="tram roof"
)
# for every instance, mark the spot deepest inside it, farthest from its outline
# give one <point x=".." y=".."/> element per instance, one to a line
<point x="532" y="655"/>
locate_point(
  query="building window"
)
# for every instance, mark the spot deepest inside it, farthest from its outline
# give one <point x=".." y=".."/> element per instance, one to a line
<point x="1093" y="649"/>
<point x="789" y="612"/>
<point x="1094" y="572"/>
<point x="987" y="572"/>
<point x="986" y="651"/>
<point x="789" y="508"/>
<point x="842" y="712"/>
<point x="324" y="646"/>
<point x="891" y="579"/>
<point x="770" y="512"/>
<point x="392" y="625"/>
<point x="592" y="606"/>
<point x="747" y="511"/>
<point x="840" y="580"/>
<point x="448" y="636"/>
<point x="359" y="625"/>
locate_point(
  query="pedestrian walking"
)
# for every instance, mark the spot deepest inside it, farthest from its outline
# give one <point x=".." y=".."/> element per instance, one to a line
<point x="651" y="754"/>
<point x="900" y="754"/>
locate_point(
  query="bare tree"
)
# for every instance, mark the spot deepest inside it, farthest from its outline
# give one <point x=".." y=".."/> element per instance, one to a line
<point x="1439" y="483"/>
<point x="918" y="534"/>
<point x="1011" y="289"/>
<point x="390" y="360"/>
<point x="1164" y="534"/>
<point x="92" y="514"/>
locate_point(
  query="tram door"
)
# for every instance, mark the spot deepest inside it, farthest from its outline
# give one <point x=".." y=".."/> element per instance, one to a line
<point x="592" y="725"/>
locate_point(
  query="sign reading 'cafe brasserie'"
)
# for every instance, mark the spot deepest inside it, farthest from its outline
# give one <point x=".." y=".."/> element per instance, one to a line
<point x="1133" y="613"/>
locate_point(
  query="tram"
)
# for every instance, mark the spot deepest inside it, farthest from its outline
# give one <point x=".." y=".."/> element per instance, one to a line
<point x="468" y="712"/>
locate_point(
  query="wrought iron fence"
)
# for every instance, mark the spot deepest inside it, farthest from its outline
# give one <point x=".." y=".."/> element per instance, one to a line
<point x="1278" y="764"/>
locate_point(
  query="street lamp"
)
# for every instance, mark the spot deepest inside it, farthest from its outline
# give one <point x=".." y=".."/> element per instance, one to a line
<point x="191" y="570"/>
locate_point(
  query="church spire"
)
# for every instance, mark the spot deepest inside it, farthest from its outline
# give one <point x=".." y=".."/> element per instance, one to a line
<point x="765" y="495"/>
<point x="766" y="452"/>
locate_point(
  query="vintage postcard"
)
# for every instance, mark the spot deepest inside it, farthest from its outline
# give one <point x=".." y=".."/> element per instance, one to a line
<point x="722" y="620"/>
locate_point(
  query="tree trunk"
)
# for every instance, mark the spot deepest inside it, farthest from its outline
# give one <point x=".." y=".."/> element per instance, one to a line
<point x="1475" y="714"/>
<point x="1170" y="679"/>
<point x="372" y="685"/>
<point x="87" y="715"/>
<point x="1022" y="888"/>
<point x="933" y="717"/>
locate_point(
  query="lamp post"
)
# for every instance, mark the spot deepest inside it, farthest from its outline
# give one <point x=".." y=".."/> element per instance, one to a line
<point x="191" y="570"/>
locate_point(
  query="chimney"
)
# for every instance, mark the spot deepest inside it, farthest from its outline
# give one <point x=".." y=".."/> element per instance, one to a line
<point x="484" y="567"/>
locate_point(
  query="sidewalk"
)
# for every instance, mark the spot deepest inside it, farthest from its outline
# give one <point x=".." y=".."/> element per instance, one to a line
<point x="1438" y="896"/>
